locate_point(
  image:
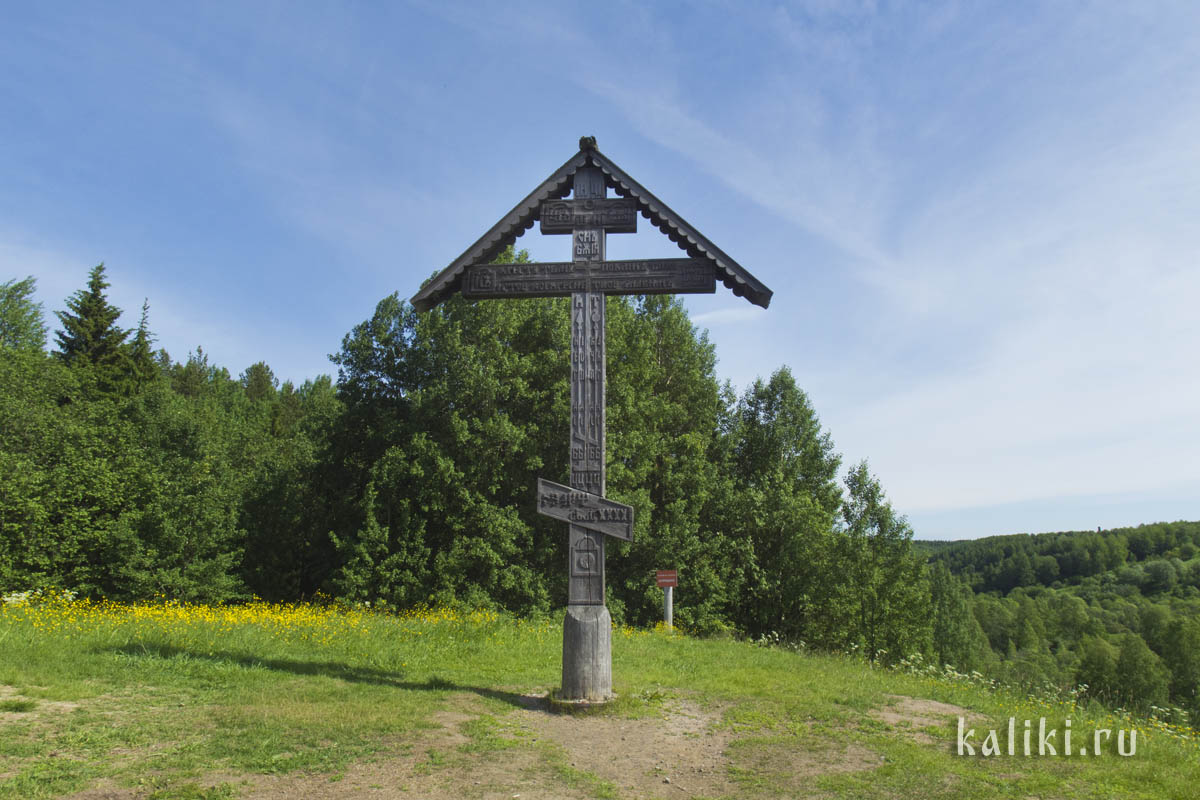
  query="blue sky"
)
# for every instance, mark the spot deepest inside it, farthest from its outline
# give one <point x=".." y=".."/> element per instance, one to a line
<point x="981" y="222"/>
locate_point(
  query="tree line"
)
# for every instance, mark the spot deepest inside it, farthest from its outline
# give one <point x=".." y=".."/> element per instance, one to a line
<point x="1114" y="612"/>
<point x="410" y="480"/>
<point x="1004" y="563"/>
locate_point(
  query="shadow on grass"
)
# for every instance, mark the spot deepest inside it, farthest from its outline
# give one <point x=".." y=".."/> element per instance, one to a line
<point x="326" y="669"/>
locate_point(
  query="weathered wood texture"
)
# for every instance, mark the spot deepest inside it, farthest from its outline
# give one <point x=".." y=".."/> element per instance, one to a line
<point x="586" y="548"/>
<point x="615" y="215"/>
<point x="560" y="278"/>
<point x="587" y="654"/>
<point x="555" y="188"/>
<point x="586" y="510"/>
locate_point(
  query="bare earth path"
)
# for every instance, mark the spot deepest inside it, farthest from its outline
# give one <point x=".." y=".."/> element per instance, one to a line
<point x="529" y="753"/>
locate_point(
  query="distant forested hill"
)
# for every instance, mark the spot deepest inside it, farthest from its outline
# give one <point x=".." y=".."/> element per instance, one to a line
<point x="1154" y="558"/>
<point x="1113" y="615"/>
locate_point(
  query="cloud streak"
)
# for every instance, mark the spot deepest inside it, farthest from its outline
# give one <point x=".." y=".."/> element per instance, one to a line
<point x="1062" y="259"/>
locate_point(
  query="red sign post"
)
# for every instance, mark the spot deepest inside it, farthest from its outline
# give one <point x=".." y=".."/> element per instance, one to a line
<point x="668" y="579"/>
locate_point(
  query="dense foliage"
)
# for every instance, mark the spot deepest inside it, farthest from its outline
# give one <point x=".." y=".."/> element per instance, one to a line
<point x="21" y="325"/>
<point x="128" y="475"/>
<point x="1114" y="611"/>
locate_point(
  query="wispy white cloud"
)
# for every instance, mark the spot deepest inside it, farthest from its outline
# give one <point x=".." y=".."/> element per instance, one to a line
<point x="1063" y="257"/>
<point x="58" y="274"/>
<point x="792" y="184"/>
<point x="726" y="316"/>
<point x="231" y="339"/>
<point x="317" y="181"/>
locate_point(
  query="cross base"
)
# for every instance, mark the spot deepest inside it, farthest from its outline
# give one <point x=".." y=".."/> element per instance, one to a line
<point x="587" y="654"/>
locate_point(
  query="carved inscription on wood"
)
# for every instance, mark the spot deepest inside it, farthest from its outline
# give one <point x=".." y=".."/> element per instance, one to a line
<point x="585" y="509"/>
<point x="557" y="278"/>
<point x="587" y="392"/>
<point x="615" y="215"/>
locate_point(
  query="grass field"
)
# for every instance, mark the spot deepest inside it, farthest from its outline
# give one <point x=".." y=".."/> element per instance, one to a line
<point x="101" y="700"/>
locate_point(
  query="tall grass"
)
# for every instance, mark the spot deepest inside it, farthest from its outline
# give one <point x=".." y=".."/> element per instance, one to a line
<point x="155" y="694"/>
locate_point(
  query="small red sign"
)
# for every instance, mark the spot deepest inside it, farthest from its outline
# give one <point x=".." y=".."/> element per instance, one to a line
<point x="668" y="577"/>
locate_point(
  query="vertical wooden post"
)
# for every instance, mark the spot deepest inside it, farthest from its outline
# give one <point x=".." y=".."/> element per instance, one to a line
<point x="587" y="402"/>
<point x="587" y="629"/>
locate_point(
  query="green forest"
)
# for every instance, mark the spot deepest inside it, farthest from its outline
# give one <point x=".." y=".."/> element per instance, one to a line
<point x="409" y="480"/>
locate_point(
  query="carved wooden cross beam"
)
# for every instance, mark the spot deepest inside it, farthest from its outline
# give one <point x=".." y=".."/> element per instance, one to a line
<point x="558" y="278"/>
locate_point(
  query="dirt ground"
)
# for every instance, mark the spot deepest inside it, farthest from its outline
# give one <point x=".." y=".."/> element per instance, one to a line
<point x="680" y="754"/>
<point x="911" y="714"/>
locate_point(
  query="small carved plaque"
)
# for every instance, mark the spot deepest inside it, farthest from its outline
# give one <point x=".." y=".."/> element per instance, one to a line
<point x="585" y="509"/>
<point x="587" y="244"/>
<point x="614" y="215"/>
<point x="585" y="559"/>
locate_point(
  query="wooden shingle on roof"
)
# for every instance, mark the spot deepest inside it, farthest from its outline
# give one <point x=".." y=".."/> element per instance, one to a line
<point x="559" y="185"/>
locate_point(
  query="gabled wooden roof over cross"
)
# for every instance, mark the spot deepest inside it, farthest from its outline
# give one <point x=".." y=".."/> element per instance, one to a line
<point x="703" y="253"/>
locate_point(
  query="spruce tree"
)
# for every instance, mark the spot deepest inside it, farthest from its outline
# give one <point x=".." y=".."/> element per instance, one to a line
<point x="90" y="336"/>
<point x="141" y="352"/>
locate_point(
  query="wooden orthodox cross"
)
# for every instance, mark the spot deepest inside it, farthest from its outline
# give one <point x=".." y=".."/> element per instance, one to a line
<point x="587" y="278"/>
